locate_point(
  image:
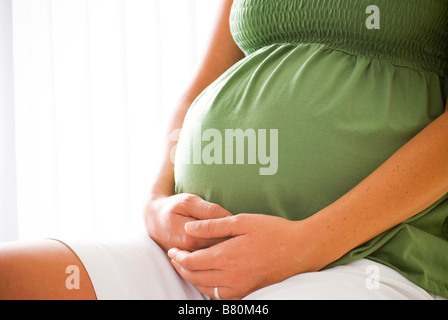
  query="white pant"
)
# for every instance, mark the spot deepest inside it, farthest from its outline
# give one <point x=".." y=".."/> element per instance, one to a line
<point x="135" y="267"/>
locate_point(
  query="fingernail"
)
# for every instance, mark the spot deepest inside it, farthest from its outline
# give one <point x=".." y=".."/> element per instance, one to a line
<point x="172" y="252"/>
<point x="191" y="226"/>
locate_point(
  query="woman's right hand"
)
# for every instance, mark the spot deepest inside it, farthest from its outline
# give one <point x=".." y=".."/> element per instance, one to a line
<point x="165" y="220"/>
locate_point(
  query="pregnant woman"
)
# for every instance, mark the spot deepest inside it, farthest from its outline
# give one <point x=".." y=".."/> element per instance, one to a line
<point x="312" y="164"/>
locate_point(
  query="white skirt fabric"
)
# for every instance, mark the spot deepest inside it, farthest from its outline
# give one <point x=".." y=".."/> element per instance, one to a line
<point x="133" y="267"/>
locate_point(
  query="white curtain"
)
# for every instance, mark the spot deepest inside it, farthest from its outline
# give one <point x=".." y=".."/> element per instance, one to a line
<point x="8" y="208"/>
<point x="94" y="81"/>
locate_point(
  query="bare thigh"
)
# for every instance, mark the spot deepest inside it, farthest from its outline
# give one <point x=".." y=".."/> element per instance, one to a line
<point x="42" y="270"/>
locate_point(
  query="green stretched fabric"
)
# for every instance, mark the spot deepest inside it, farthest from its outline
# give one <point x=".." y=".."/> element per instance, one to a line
<point x="342" y="98"/>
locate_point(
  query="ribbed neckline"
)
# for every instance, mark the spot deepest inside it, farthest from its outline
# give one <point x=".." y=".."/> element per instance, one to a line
<point x="413" y="33"/>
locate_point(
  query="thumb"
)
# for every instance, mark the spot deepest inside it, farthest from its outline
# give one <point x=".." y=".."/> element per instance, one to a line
<point x="215" y="228"/>
<point x="202" y="210"/>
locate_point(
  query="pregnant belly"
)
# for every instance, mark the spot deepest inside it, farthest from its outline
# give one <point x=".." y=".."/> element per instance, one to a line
<point x="289" y="129"/>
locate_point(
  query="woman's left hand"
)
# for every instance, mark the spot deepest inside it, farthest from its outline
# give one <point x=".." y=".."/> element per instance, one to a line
<point x="262" y="250"/>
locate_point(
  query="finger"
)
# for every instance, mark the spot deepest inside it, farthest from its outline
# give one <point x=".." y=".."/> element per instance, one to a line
<point x="206" y="281"/>
<point x="215" y="228"/>
<point x="204" y="259"/>
<point x="206" y="210"/>
<point x="198" y="208"/>
<point x="224" y="293"/>
<point x="198" y="243"/>
<point x="198" y="278"/>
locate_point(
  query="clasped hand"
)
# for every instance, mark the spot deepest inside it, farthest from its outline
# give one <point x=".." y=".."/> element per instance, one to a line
<point x="237" y="253"/>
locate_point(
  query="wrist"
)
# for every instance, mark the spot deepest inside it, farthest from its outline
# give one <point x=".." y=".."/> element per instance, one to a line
<point x="152" y="206"/>
<point x="321" y="244"/>
<point x="153" y="196"/>
<point x="162" y="188"/>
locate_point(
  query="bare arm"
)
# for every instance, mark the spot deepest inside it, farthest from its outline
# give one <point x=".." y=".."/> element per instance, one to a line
<point x="266" y="249"/>
<point x="165" y="213"/>
<point x="221" y="55"/>
<point x="411" y="180"/>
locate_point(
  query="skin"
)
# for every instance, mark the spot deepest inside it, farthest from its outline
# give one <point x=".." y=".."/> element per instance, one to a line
<point x="162" y="217"/>
<point x="274" y="249"/>
<point x="241" y="253"/>
<point x="37" y="270"/>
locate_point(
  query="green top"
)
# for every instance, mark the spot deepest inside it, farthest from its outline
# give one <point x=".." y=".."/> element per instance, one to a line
<point x="328" y="91"/>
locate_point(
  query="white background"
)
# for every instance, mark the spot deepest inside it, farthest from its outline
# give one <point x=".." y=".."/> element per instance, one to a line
<point x="94" y="81"/>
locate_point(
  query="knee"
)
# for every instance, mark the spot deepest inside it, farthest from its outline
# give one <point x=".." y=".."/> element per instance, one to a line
<point x="12" y="273"/>
<point x="37" y="270"/>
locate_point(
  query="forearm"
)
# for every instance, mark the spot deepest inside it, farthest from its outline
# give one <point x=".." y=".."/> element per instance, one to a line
<point x="163" y="185"/>
<point x="411" y="180"/>
<point x="221" y="54"/>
